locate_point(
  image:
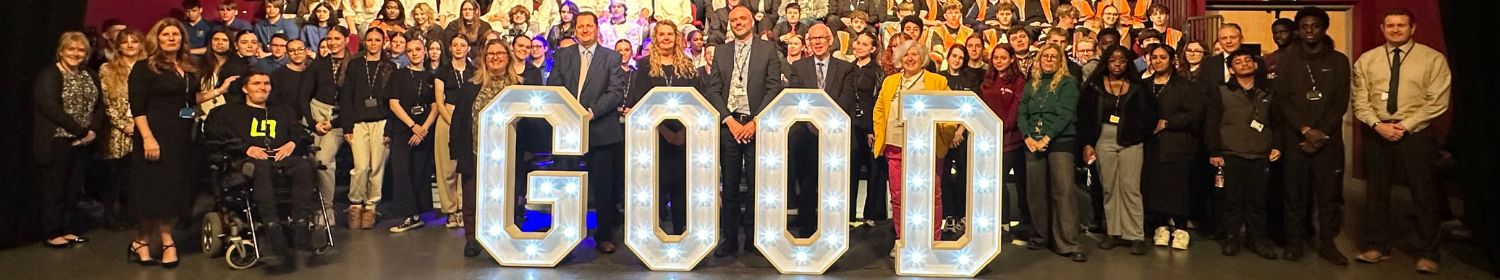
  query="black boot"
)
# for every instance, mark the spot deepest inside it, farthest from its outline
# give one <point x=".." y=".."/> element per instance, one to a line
<point x="1109" y="242"/>
<point x="1331" y="253"/>
<point x="1231" y="246"/>
<point x="1264" y="249"/>
<point x="727" y="249"/>
<point x="471" y="248"/>
<point x="1294" y="251"/>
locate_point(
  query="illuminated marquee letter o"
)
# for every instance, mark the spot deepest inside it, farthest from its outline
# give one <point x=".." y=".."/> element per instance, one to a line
<point x="565" y="190"/>
<point x="812" y="255"/>
<point x="918" y="255"/>
<point x="657" y="249"/>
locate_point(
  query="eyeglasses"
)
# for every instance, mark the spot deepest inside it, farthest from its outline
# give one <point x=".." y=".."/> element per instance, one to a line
<point x="296" y="50"/>
<point x="819" y="38"/>
<point x="1195" y="51"/>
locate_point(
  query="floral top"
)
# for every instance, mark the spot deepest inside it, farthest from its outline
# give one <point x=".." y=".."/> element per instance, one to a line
<point x="78" y="100"/>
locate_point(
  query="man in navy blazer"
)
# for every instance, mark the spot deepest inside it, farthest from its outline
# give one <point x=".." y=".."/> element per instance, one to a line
<point x="746" y="75"/>
<point x="836" y="78"/>
<point x="598" y="70"/>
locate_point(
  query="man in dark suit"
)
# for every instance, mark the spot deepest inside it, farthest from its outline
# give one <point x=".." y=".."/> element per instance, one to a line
<point x="836" y="78"/>
<point x="1214" y="67"/>
<point x="746" y="75"/>
<point x="592" y="74"/>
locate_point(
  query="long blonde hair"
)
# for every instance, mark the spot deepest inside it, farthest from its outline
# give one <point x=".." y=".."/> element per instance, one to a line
<point x="159" y="60"/>
<point x="684" y="65"/>
<point x="116" y="72"/>
<point x="1060" y="73"/>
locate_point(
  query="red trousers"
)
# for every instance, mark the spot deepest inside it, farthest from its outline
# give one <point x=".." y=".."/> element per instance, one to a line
<point x="893" y="163"/>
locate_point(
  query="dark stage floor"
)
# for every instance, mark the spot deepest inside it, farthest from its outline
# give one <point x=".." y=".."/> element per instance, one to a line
<point x="436" y="253"/>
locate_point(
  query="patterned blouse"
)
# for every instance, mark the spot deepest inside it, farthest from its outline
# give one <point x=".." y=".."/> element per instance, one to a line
<point x="78" y="100"/>
<point x="115" y="143"/>
<point x="487" y="94"/>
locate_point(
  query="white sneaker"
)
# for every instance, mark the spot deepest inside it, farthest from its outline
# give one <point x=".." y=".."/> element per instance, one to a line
<point x="1180" y="239"/>
<point x="1162" y="236"/>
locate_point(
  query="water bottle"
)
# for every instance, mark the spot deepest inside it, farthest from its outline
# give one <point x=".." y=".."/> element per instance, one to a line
<point x="1219" y="178"/>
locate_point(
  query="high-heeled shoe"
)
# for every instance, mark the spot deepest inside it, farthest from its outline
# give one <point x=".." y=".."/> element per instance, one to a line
<point x="173" y="264"/>
<point x="131" y="256"/>
<point x="78" y="239"/>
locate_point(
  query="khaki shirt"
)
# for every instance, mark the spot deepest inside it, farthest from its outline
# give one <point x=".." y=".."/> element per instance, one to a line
<point x="1424" y="86"/>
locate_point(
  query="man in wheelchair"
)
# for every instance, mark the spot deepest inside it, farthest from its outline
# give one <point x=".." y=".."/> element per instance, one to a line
<point x="268" y="140"/>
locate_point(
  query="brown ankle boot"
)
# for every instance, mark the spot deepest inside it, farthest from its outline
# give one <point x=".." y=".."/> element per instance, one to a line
<point x="367" y="218"/>
<point x="354" y="213"/>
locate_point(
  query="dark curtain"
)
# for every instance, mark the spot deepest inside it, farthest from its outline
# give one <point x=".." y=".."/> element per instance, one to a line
<point x="1471" y="58"/>
<point x="31" y="31"/>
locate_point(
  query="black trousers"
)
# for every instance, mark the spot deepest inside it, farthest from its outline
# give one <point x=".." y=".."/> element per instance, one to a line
<point x="606" y="165"/>
<point x="955" y="171"/>
<point x="61" y="180"/>
<point x="673" y="188"/>
<point x="802" y="154"/>
<point x="106" y="183"/>
<point x="1245" y="198"/>
<point x="1413" y="156"/>
<point x="412" y="168"/>
<point x="1317" y="178"/>
<point x="293" y="174"/>
<point x="738" y="162"/>
<point x="1013" y="168"/>
<point x="860" y="158"/>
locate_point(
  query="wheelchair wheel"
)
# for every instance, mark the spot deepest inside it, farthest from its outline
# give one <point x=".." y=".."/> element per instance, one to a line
<point x="213" y="234"/>
<point x="242" y="255"/>
<point x="321" y="250"/>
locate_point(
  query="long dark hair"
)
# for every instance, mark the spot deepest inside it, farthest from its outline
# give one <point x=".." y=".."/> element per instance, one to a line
<point x="159" y="60"/>
<point x="1171" y="54"/>
<point x="1185" y="70"/>
<point x="333" y="15"/>
<point x="1131" y="74"/>
<point x="400" y="13"/>
<point x="1013" y="71"/>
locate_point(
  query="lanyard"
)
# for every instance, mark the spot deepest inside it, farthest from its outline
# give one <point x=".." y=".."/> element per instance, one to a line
<point x="1311" y="77"/>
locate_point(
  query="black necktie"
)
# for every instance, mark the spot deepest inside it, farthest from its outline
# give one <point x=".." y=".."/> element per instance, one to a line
<point x="1390" y="99"/>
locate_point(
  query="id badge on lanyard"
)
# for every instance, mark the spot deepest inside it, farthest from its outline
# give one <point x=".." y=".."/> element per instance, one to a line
<point x="186" y="112"/>
<point x="1314" y="94"/>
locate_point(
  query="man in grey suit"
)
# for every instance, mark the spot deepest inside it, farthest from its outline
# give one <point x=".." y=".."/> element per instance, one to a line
<point x="746" y="76"/>
<point x="836" y="78"/>
<point x="592" y="74"/>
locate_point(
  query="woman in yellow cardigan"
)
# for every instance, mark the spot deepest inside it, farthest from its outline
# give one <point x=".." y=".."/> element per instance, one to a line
<point x="890" y="126"/>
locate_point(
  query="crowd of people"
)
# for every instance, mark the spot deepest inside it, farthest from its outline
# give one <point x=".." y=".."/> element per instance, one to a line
<point x="1178" y="135"/>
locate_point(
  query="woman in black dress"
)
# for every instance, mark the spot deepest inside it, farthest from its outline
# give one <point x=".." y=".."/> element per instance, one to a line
<point x="165" y="163"/>
<point x="69" y="116"/>
<point x="667" y="66"/>
<point x="409" y="125"/>
<point x="1170" y="152"/>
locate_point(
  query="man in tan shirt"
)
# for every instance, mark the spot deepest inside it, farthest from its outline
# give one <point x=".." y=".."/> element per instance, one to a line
<point x="1399" y="88"/>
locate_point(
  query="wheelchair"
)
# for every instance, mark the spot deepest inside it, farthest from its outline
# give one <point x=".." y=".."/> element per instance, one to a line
<point x="229" y="230"/>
